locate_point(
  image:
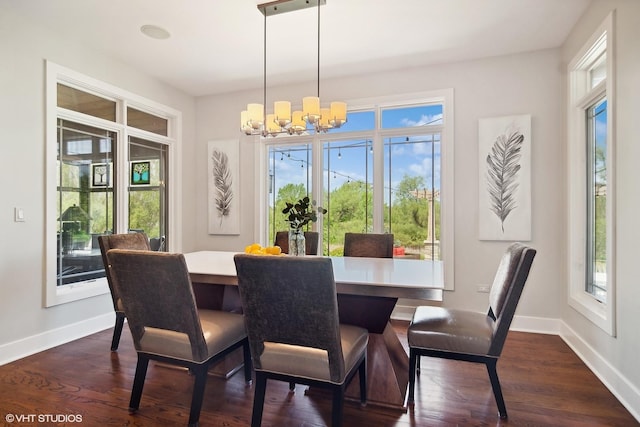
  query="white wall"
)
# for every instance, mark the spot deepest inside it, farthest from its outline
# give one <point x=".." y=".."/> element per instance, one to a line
<point x="519" y="84"/>
<point x="615" y="359"/>
<point x="532" y="83"/>
<point x="529" y="83"/>
<point x="23" y="49"/>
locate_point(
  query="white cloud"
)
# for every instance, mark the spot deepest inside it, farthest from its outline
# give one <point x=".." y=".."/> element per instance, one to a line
<point x="424" y="120"/>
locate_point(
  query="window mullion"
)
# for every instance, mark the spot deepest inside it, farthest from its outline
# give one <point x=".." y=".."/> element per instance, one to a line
<point x="378" y="183"/>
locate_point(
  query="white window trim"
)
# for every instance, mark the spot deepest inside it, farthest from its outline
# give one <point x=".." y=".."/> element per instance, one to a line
<point x="579" y="98"/>
<point x="55" y="295"/>
<point x="446" y="96"/>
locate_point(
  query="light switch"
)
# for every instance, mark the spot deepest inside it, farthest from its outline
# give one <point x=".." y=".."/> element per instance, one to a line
<point x="18" y="214"/>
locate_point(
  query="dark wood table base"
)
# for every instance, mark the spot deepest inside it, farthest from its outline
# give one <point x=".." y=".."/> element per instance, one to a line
<point x="387" y="360"/>
<point x="387" y="372"/>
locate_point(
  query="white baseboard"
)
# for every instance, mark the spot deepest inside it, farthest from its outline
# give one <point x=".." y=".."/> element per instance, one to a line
<point x="537" y="325"/>
<point x="627" y="393"/>
<point x="43" y="341"/>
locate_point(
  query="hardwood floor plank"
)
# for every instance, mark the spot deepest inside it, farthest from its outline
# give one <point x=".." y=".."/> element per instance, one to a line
<point x="544" y="384"/>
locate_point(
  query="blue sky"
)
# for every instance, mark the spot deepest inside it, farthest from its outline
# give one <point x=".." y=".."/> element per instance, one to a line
<point x="352" y="159"/>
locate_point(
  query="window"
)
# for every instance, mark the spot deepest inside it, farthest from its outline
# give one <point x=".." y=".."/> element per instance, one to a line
<point x="148" y="207"/>
<point x="84" y="201"/>
<point x="289" y="180"/>
<point x="596" y="176"/>
<point x="591" y="187"/>
<point x="348" y="191"/>
<point x="141" y="120"/>
<point x="383" y="172"/>
<point x="108" y="166"/>
<point x="412" y="194"/>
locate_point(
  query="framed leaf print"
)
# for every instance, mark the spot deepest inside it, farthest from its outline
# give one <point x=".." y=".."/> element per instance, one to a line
<point x="223" y="185"/>
<point x="505" y="178"/>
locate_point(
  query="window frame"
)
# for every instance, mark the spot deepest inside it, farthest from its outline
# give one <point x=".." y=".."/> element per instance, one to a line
<point x="581" y="96"/>
<point x="54" y="295"/>
<point x="446" y="130"/>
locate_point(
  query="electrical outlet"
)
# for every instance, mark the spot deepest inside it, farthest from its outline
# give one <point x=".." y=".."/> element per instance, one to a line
<point x="484" y="288"/>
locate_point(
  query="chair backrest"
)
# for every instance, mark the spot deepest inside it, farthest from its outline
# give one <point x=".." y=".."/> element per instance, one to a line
<point x="290" y="300"/>
<point x="157" y="243"/>
<point x="368" y="245"/>
<point x="311" y="241"/>
<point x="282" y="240"/>
<point x="156" y="293"/>
<point x="506" y="290"/>
<point x="135" y="241"/>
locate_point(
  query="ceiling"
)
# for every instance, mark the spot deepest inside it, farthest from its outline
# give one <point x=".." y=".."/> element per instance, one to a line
<point x="216" y="46"/>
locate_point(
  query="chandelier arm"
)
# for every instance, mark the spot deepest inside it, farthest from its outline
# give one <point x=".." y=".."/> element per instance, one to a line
<point x="334" y="117"/>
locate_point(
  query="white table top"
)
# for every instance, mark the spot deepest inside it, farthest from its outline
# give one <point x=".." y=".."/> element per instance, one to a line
<point x="386" y="277"/>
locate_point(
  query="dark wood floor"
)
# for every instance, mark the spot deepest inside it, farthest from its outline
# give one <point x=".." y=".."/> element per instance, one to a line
<point x="544" y="384"/>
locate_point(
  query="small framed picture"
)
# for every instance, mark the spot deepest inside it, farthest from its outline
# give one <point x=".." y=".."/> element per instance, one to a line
<point x="140" y="173"/>
<point x="101" y="174"/>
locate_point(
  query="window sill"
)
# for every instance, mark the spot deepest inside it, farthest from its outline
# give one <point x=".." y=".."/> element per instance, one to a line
<point x="57" y="295"/>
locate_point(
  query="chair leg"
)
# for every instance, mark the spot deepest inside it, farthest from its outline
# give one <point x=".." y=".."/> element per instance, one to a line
<point x="117" y="331"/>
<point x="362" y="374"/>
<point x="200" y="381"/>
<point x="418" y="364"/>
<point x="497" y="390"/>
<point x="248" y="367"/>
<point x="337" y="407"/>
<point x="414" y="360"/>
<point x="292" y="386"/>
<point x="258" y="399"/>
<point x="138" y="383"/>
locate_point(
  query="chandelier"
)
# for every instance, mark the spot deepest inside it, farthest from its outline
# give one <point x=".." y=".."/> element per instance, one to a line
<point x="255" y="120"/>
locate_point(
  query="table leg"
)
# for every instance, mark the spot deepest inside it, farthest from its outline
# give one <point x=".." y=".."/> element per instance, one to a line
<point x="387" y="372"/>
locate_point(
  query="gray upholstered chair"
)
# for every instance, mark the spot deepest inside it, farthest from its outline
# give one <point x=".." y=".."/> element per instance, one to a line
<point x="157" y="243"/>
<point x="311" y="239"/>
<point x="136" y="241"/>
<point x="165" y="324"/>
<point x="472" y="336"/>
<point x="368" y="245"/>
<point x="291" y="315"/>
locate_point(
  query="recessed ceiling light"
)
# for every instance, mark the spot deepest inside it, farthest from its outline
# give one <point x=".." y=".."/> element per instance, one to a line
<point x="155" y="32"/>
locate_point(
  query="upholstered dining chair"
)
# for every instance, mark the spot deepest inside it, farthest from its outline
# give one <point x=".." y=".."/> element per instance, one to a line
<point x="165" y="324"/>
<point x="472" y="336"/>
<point x="311" y="239"/>
<point x="368" y="245"/>
<point x="157" y="243"/>
<point x="136" y="241"/>
<point x="291" y="316"/>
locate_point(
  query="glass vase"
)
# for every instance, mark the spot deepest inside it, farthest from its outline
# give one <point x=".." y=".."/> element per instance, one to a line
<point x="296" y="242"/>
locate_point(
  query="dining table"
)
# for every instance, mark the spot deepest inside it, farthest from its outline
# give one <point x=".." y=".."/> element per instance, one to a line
<point x="367" y="292"/>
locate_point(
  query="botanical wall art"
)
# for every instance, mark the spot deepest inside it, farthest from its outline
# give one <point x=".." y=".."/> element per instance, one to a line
<point x="505" y="178"/>
<point x="140" y="173"/>
<point x="101" y="173"/>
<point x="223" y="184"/>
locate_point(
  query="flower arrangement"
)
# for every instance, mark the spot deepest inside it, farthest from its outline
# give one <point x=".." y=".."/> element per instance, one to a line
<point x="302" y="213"/>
